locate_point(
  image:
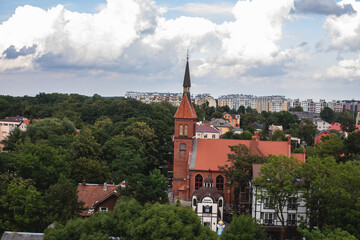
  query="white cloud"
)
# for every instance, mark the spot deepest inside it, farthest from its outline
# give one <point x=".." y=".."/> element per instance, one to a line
<point x="202" y="9"/>
<point x="346" y="69"/>
<point x="132" y="36"/>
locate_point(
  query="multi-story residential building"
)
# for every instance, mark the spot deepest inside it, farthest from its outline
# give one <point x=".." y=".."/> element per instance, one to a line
<point x="201" y="99"/>
<point x="335" y="105"/>
<point x="7" y="125"/>
<point x="263" y="103"/>
<point x="151" y="97"/>
<point x="351" y="105"/>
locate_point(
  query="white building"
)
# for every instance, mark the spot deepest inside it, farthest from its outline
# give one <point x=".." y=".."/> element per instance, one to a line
<point x="321" y="124"/>
<point x="208" y="203"/>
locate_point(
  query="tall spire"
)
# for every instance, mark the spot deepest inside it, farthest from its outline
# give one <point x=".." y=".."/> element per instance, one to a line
<point x="187" y="82"/>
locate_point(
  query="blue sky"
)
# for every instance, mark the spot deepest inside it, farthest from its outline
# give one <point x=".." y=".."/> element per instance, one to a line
<point x="299" y="49"/>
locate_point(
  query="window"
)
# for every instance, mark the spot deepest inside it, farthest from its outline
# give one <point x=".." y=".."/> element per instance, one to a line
<point x="291" y="220"/>
<point x="181" y="130"/>
<point x="186" y="130"/>
<point x="4" y="134"/>
<point x="198" y="181"/>
<point x="220" y="183"/>
<point x="266" y="203"/>
<point x="103" y="209"/>
<point x="213" y="136"/>
<point x="292" y="203"/>
<point x="207" y="209"/>
<point x="269" y="219"/>
<point x="182" y="147"/>
<point x="205" y="135"/>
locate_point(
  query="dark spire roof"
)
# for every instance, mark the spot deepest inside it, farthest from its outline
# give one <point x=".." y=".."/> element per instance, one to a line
<point x="187" y="82"/>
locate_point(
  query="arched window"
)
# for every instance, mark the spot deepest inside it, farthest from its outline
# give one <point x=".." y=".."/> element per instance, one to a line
<point x="220" y="183"/>
<point x="198" y="181"/>
<point x="181" y="130"/>
<point x="186" y="130"/>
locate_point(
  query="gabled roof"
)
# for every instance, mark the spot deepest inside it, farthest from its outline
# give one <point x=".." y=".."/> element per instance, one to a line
<point x="206" y="129"/>
<point x="186" y="109"/>
<point x="208" y="154"/>
<point x="22" y="236"/>
<point x="92" y="194"/>
<point x="219" y="122"/>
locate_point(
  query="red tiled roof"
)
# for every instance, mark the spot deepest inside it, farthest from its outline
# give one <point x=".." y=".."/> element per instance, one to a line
<point x="206" y="129"/>
<point x="91" y="194"/>
<point x="211" y="153"/>
<point x="186" y="109"/>
<point x="337" y="126"/>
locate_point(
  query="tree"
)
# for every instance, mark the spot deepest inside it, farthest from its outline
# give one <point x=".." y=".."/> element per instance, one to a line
<point x="348" y="125"/>
<point x="327" y="114"/>
<point x="216" y="114"/>
<point x="243" y="227"/>
<point x="306" y="132"/>
<point x="131" y="220"/>
<point x="333" y="194"/>
<point x="239" y="170"/>
<point x="85" y="146"/>
<point x="296" y="109"/>
<point x="21" y="205"/>
<point x="352" y="144"/>
<point x="327" y="234"/>
<point x="152" y="189"/>
<point x="148" y="139"/>
<point x="241" y="109"/>
<point x="278" y="135"/>
<point x="62" y="201"/>
<point x="279" y="180"/>
<point x="330" y="146"/>
<point x="93" y="171"/>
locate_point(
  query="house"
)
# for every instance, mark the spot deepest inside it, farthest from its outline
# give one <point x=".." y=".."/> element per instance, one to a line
<point x="258" y="126"/>
<point x="321" y="124"/>
<point x="273" y="128"/>
<point x="319" y="135"/>
<point x="195" y="159"/>
<point x="221" y="124"/>
<point x="97" y="197"/>
<point x="8" y="125"/>
<point x="208" y="203"/>
<point x="234" y="119"/>
<point x="203" y="131"/>
<point x="22" y="236"/>
<point x="293" y="212"/>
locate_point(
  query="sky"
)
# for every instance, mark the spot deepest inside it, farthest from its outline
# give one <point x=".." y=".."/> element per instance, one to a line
<point x="295" y="48"/>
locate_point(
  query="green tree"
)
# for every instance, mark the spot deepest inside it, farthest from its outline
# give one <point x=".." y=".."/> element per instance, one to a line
<point x="279" y="180"/>
<point x="93" y="171"/>
<point x="296" y="109"/>
<point x="238" y="171"/>
<point x="62" y="201"/>
<point x="327" y="234"/>
<point x="352" y="145"/>
<point x="327" y="114"/>
<point x="216" y="114"/>
<point x="278" y="135"/>
<point x="330" y="146"/>
<point x="243" y="227"/>
<point x="21" y="205"/>
<point x="348" y="125"/>
<point x="85" y="146"/>
<point x="306" y="132"/>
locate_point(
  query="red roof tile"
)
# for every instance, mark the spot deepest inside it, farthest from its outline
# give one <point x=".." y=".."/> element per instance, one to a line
<point x="186" y="109"/>
<point x="91" y="194"/>
<point x="211" y="153"/>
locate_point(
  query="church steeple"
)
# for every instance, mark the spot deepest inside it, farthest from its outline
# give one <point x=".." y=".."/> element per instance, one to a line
<point x="187" y="82"/>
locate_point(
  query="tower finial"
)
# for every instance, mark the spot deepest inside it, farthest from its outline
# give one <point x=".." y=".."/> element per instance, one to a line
<point x="187" y="54"/>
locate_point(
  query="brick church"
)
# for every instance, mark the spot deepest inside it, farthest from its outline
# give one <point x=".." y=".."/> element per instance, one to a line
<point x="197" y="159"/>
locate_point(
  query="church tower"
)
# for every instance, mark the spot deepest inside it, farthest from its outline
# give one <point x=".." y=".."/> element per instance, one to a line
<point x="184" y="135"/>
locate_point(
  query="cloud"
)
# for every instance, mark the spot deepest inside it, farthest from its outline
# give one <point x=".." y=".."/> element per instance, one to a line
<point x="13" y="53"/>
<point x="202" y="9"/>
<point x="346" y="69"/>
<point x="133" y="37"/>
<point x="323" y="7"/>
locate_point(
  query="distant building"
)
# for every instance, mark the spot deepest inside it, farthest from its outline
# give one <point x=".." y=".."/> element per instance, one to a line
<point x="203" y="131"/>
<point x="97" y="197"/>
<point x="321" y="124"/>
<point x="204" y="98"/>
<point x="358" y="118"/>
<point x="221" y="124"/>
<point x="155" y="97"/>
<point x="8" y="125"/>
<point x="22" y="236"/>
<point x="234" y="119"/>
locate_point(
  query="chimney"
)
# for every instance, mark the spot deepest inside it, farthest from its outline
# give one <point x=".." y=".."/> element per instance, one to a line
<point x="105" y="187"/>
<point x="83" y="182"/>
